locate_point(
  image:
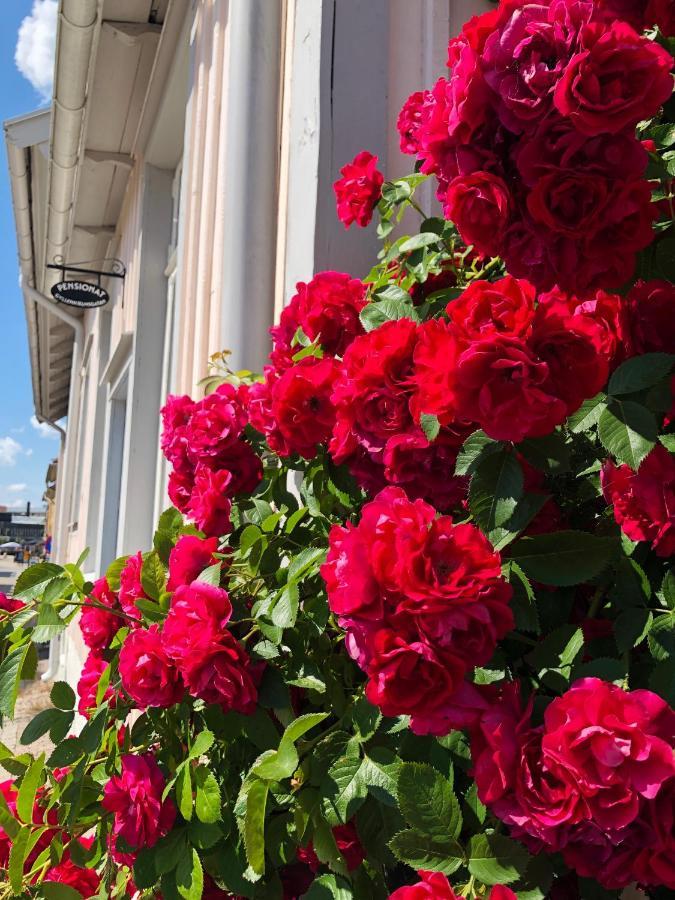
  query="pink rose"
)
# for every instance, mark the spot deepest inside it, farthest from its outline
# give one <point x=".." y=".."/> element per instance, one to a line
<point x="189" y="558"/>
<point x="134" y="796"/>
<point x="87" y="686"/>
<point x="359" y="189"/>
<point x="131" y="588"/>
<point x="146" y="671"/>
<point x="98" y="626"/>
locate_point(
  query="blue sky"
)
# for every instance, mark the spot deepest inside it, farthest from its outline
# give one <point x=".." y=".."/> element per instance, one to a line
<point x="25" y="447"/>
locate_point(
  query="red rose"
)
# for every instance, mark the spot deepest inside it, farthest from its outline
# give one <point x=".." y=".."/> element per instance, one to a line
<point x="134" y="796"/>
<point x="131" y="588"/>
<point x="10" y="604"/>
<point x="485" y="308"/>
<point x="409" y="121"/>
<point x="327" y="309"/>
<point x="433" y="886"/>
<point x="616" y="745"/>
<point x="146" y="671"/>
<point x="220" y="673"/>
<point x="661" y="13"/>
<point x="572" y="348"/>
<point x="87" y="686"/>
<point x="209" y="506"/>
<point x="359" y="189"/>
<point x="410" y="678"/>
<point x="616" y="80"/>
<point x="85" y="881"/>
<point x="372" y="397"/>
<point x="181" y="485"/>
<point x="301" y="407"/>
<point x="479" y="205"/>
<point x="652" y="318"/>
<point x="98" y="626"/>
<point x="198" y="616"/>
<point x="501" y="384"/>
<point x="216" y="423"/>
<point x="644" y="501"/>
<point x="189" y="558"/>
<point x="436" y="352"/>
<point x="569" y="203"/>
<point x="176" y="414"/>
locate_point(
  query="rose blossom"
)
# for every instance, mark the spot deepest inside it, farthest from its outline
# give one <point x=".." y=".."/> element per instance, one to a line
<point x="209" y="505"/>
<point x="134" y="796"/>
<point x="485" y="308"/>
<point x="85" y="881"/>
<point x="409" y="120"/>
<point x="198" y="615"/>
<point x="652" y="323"/>
<point x="644" y="501"/>
<point x="359" y="189"/>
<point x="146" y="671"/>
<point x="326" y="309"/>
<point x="131" y="588"/>
<point x="98" y="626"/>
<point x="617" y="79"/>
<point x="479" y="205"/>
<point x="10" y="604"/>
<point x="188" y="559"/>
<point x="221" y="673"/>
<point x="87" y="685"/>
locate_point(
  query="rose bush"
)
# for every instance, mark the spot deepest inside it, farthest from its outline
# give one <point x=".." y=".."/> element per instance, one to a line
<point x="408" y="630"/>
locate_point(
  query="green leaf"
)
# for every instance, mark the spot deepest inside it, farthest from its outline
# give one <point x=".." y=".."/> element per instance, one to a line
<point x="207" y="799"/>
<point x="281" y="763"/>
<point x="496" y="487"/>
<point x="48" y="625"/>
<point x="423" y="853"/>
<point x="17" y="857"/>
<point x="631" y="627"/>
<point x="550" y="453"/>
<point x="328" y="886"/>
<point x="344" y="789"/>
<point x="380" y="770"/>
<point x="202" y="743"/>
<point x="285" y="610"/>
<point x="42" y="723"/>
<point x="32" y="582"/>
<point x="366" y="718"/>
<point x="523" y="603"/>
<point x="562" y="558"/>
<point x="427" y="801"/>
<point x="558" y="650"/>
<point x="113" y="572"/>
<point x="68" y="752"/>
<point x="7" y="820"/>
<point x="417" y="241"/>
<point x="211" y="575"/>
<point x="640" y="372"/>
<point x="153" y="576"/>
<point x="53" y="890"/>
<point x="588" y="414"/>
<point x="184" y="791"/>
<point x="10" y="677"/>
<point x="496" y="859"/>
<point x="190" y="876"/>
<point x="475" y="448"/>
<point x="254" y="826"/>
<point x="377" y="313"/>
<point x="668" y="589"/>
<point x="430" y="426"/>
<point x="628" y="431"/>
<point x="30" y="783"/>
<point x="306" y="560"/>
<point x="661" y="637"/>
<point x="62" y="695"/>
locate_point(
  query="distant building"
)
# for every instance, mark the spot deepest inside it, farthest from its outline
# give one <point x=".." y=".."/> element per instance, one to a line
<point x="197" y="141"/>
<point x="23" y="529"/>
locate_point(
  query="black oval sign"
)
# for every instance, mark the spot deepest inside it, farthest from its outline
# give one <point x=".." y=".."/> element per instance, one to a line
<point x="80" y="293"/>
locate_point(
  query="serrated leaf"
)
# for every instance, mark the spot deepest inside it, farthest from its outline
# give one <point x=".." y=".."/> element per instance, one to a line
<point x="563" y="557"/>
<point x="153" y="576"/>
<point x="113" y="572"/>
<point x="211" y="575"/>
<point x="668" y="589"/>
<point x="377" y="313"/>
<point x="281" y="763"/>
<point x="631" y="628"/>
<point x="17" y="857"/>
<point x="326" y="886"/>
<point x="53" y="890"/>
<point x="496" y="486"/>
<point x="202" y="743"/>
<point x="43" y="722"/>
<point x="588" y="414"/>
<point x="344" y="789"/>
<point x="254" y="826"/>
<point x="207" y="796"/>
<point x="661" y="637"/>
<point x="190" y="876"/>
<point x="10" y="676"/>
<point x="32" y="582"/>
<point x="496" y="859"/>
<point x="285" y="611"/>
<point x="184" y="792"/>
<point x="380" y="770"/>
<point x="640" y="372"/>
<point x="628" y="431"/>
<point x="477" y="446"/>
<point x="62" y="695"/>
<point x="30" y="783"/>
<point x="421" y="852"/>
<point x="430" y="426"/>
<point x="417" y="241"/>
<point x="427" y="801"/>
<point x="49" y="624"/>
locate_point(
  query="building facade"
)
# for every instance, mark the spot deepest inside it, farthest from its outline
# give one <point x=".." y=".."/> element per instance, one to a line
<point x="197" y="142"/>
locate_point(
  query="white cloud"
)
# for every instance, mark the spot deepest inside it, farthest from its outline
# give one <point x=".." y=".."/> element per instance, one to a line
<point x="15" y="504"/>
<point x="34" y="54"/>
<point x="43" y="429"/>
<point x="9" y="450"/>
<point x="29" y="452"/>
<point x="16" y="488"/>
<point x="18" y="430"/>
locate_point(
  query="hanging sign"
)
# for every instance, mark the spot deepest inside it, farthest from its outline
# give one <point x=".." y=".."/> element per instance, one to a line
<point x="80" y="293"/>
